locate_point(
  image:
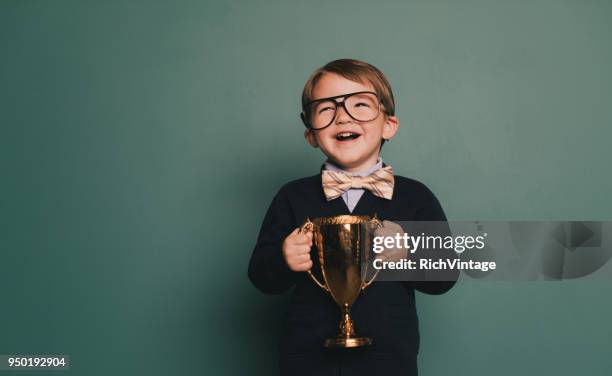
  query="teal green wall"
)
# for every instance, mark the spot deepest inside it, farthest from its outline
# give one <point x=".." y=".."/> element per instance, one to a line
<point x="141" y="143"/>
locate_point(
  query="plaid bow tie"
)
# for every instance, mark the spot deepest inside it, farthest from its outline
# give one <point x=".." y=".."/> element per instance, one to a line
<point x="380" y="183"/>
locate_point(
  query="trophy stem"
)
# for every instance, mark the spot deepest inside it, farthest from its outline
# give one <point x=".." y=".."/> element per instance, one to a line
<point x="346" y="337"/>
<point x="347" y="329"/>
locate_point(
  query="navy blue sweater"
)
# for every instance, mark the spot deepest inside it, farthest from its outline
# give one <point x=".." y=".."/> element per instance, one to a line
<point x="385" y="311"/>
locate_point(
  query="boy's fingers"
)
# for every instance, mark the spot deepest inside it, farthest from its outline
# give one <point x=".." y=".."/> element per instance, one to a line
<point x="305" y="266"/>
<point x="301" y="250"/>
<point x="384" y="232"/>
<point x="391" y="230"/>
<point x="304" y="238"/>
<point x="393" y="226"/>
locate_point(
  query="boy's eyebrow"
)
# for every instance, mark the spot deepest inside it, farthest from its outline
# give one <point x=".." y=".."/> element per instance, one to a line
<point x="339" y="96"/>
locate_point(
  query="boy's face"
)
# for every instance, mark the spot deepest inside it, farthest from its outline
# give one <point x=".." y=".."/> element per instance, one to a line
<point x="354" y="153"/>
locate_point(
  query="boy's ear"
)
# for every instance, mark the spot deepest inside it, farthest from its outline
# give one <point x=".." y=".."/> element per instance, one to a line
<point x="310" y="137"/>
<point x="390" y="127"/>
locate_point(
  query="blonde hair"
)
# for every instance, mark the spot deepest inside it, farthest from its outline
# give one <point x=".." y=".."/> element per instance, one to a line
<point x="356" y="71"/>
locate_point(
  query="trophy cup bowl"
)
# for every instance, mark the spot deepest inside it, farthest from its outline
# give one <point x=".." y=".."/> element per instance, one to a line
<point x="343" y="245"/>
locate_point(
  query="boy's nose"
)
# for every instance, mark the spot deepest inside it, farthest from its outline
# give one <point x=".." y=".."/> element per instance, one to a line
<point x="341" y="115"/>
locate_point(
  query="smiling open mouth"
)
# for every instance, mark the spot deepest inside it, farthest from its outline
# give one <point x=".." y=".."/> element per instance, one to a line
<point x="346" y="136"/>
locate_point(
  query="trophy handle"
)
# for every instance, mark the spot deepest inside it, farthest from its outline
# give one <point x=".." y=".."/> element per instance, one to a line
<point x="309" y="226"/>
<point x="317" y="281"/>
<point x="376" y="222"/>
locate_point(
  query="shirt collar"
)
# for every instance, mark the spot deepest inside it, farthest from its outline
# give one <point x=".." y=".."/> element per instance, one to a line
<point x="332" y="167"/>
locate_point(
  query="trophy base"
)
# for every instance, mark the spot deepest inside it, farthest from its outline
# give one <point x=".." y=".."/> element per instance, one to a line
<point x="347" y="342"/>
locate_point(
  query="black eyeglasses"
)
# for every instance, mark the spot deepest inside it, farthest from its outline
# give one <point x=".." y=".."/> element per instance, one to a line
<point x="361" y="106"/>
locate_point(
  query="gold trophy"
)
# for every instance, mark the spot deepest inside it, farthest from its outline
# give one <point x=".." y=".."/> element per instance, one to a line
<point x="341" y="242"/>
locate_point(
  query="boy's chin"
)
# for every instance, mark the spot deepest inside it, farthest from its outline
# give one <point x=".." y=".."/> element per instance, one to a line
<point x="351" y="158"/>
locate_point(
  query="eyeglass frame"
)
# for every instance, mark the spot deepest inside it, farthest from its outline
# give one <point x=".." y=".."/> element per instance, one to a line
<point x="338" y="104"/>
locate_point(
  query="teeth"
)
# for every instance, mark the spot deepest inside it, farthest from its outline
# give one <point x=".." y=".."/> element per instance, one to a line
<point x="346" y="135"/>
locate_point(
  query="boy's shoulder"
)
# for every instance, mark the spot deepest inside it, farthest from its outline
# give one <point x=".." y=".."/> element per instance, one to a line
<point x="409" y="186"/>
<point x="302" y="186"/>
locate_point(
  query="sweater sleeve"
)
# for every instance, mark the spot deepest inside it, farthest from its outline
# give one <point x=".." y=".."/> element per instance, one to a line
<point x="268" y="270"/>
<point x="432" y="211"/>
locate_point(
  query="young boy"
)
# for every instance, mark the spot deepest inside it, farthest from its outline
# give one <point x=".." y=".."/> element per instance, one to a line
<point x="348" y="110"/>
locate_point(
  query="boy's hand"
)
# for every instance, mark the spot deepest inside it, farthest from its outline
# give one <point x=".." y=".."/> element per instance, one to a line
<point x="391" y="254"/>
<point x="296" y="250"/>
